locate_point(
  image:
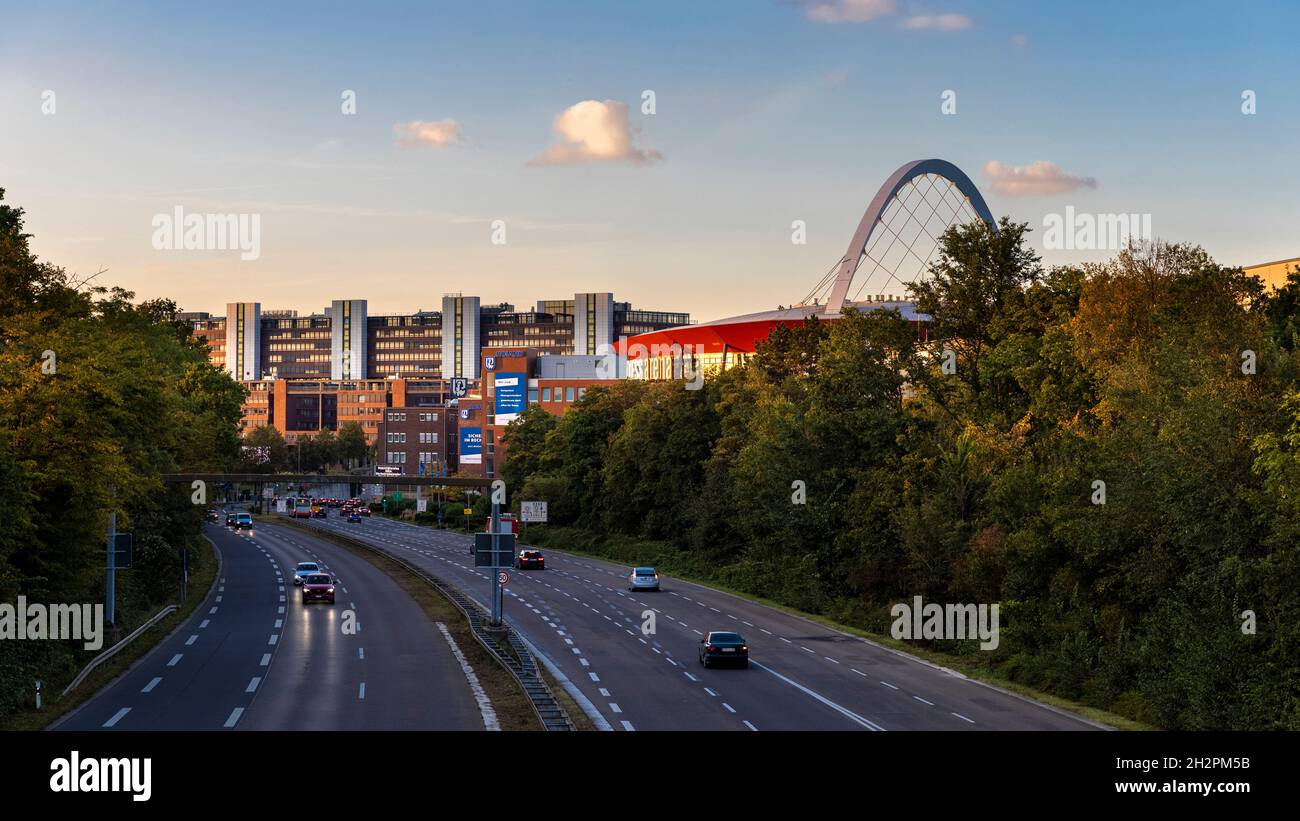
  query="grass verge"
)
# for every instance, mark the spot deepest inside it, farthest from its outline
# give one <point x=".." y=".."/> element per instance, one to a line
<point x="56" y="706"/>
<point x="514" y="710"/>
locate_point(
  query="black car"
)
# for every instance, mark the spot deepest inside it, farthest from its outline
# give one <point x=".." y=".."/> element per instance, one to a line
<point x="530" y="559"/>
<point x="319" y="514"/>
<point x="230" y="518"/>
<point x="722" y="648"/>
<point x="212" y="516"/>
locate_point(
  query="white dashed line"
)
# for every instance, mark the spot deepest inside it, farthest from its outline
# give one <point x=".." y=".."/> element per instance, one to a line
<point x="923" y="701"/>
<point x="176" y="658"/>
<point x="152" y="684"/>
<point x="963" y="718"/>
<point x="234" y="717"/>
<point x="117" y="717"/>
<point x="191" y="639"/>
<point x="266" y="659"/>
<point x="252" y="684"/>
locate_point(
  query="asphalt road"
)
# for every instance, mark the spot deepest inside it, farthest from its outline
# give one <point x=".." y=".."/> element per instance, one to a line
<point x="253" y="657"/>
<point x="802" y="675"/>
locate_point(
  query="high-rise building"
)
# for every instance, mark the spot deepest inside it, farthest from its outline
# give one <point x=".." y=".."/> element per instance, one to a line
<point x="460" y="336"/>
<point x="593" y="323"/>
<point x="348" y="337"/>
<point x="243" y="358"/>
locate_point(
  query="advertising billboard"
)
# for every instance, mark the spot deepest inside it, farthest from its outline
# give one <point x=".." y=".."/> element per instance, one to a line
<point x="511" y="395"/>
<point x="471" y="446"/>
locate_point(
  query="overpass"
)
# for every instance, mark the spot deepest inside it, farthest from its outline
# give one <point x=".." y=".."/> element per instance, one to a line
<point x="327" y="478"/>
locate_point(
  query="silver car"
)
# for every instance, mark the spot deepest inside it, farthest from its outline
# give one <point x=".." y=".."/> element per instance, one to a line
<point x="643" y="578"/>
<point x="303" y="570"/>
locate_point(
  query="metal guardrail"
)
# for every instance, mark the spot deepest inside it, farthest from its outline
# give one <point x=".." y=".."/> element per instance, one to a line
<point x="503" y="643"/>
<point x="112" y="651"/>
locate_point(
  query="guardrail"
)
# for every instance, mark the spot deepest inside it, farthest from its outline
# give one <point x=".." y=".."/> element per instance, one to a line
<point x="503" y="643"/>
<point x="112" y="651"/>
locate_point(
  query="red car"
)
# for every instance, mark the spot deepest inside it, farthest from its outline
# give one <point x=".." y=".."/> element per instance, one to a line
<point x="317" y="587"/>
<point x="530" y="559"/>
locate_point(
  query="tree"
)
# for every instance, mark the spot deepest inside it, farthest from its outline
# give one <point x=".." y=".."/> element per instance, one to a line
<point x="352" y="448"/>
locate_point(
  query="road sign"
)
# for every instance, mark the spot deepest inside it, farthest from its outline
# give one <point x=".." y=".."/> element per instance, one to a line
<point x="122" y="555"/>
<point x="505" y="556"/>
<point x="504" y="578"/>
<point x="388" y="470"/>
<point x="422" y="506"/>
<point x="469" y="511"/>
<point x="532" y="511"/>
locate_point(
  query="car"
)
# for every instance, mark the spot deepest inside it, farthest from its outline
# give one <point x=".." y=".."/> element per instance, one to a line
<point x="319" y="513"/>
<point x="243" y="520"/>
<point x="364" y="511"/>
<point x="317" y="587"/>
<point x="353" y="518"/>
<point x="530" y="558"/>
<point x="643" y="578"/>
<point x="230" y="518"/>
<point x="212" y="516"/>
<point x="303" y="570"/>
<point x="718" y="647"/>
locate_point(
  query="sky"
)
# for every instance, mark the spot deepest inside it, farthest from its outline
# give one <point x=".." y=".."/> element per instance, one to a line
<point x="504" y="149"/>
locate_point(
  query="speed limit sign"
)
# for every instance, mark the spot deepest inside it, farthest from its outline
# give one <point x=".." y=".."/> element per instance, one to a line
<point x="503" y="577"/>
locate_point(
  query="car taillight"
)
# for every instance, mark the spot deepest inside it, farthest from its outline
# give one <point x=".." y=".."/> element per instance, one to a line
<point x="745" y="647"/>
<point x="711" y="649"/>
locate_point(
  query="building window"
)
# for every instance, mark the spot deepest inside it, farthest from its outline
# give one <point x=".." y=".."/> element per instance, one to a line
<point x="582" y="392"/>
<point x="546" y="394"/>
<point x="532" y="396"/>
<point x="568" y="394"/>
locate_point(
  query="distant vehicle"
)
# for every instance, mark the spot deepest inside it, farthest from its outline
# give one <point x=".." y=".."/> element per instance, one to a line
<point x="230" y="518"/>
<point x="212" y="516"/>
<point x="719" y="647"/>
<point x="243" y="520"/>
<point x="303" y="570"/>
<point x="530" y="559"/>
<point x="354" y="518"/>
<point x="302" y="509"/>
<point x="319" y="513"/>
<point x="317" y="587"/>
<point x="508" y="524"/>
<point x="643" y="578"/>
<point x="363" y="510"/>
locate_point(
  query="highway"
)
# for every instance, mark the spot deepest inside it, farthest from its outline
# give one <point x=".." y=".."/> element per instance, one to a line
<point x="802" y="675"/>
<point x="253" y="657"/>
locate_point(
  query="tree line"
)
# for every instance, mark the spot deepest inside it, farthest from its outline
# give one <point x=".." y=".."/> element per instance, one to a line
<point x="1111" y="451"/>
<point x="99" y="395"/>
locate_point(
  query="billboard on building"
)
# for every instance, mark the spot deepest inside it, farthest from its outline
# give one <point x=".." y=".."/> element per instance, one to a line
<point x="511" y="396"/>
<point x="471" y="446"/>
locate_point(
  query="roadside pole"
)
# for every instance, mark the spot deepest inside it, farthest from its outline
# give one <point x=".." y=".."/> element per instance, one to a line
<point x="496" y="570"/>
<point x="110" y="588"/>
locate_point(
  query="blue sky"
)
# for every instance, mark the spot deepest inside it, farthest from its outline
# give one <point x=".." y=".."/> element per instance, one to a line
<point x="766" y="112"/>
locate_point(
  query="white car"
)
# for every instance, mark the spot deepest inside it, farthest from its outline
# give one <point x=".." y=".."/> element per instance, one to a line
<point x="643" y="578"/>
<point x="303" y="570"/>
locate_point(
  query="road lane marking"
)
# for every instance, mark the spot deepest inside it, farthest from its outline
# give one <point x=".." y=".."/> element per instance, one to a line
<point x="750" y="726"/>
<point x="627" y="725"/>
<point x="710" y="692"/>
<point x="730" y="709"/>
<point x="191" y="639"/>
<point x="847" y="713"/>
<point x="361" y="652"/>
<point x="152" y="684"/>
<point x="828" y="658"/>
<point x="361" y="694"/>
<point x="252" y="684"/>
<point x="212" y="612"/>
<point x="689" y="676"/>
<point x="594" y="677"/>
<point x="923" y="701"/>
<point x="963" y="718"/>
<point x="266" y="659"/>
<point x="176" y="658"/>
<point x="117" y="717"/>
<point x="234" y="717"/>
<point x="273" y="638"/>
<point x="615" y="707"/>
<point x="204" y="624"/>
<point x="887" y="684"/>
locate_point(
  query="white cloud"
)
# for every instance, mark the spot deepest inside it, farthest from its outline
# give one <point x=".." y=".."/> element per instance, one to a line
<point x="440" y="134"/>
<point x="939" y="22"/>
<point x="1039" y="177"/>
<point x="592" y="130"/>
<point x="848" y="11"/>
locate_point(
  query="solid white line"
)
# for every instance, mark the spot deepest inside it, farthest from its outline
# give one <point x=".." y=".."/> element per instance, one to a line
<point x="266" y="659"/>
<point x="117" y="716"/>
<point x="837" y="708"/>
<point x="176" y="658"/>
<point x="234" y="717"/>
<point x="149" y="687"/>
<point x="252" y="684"/>
<point x="480" y="695"/>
